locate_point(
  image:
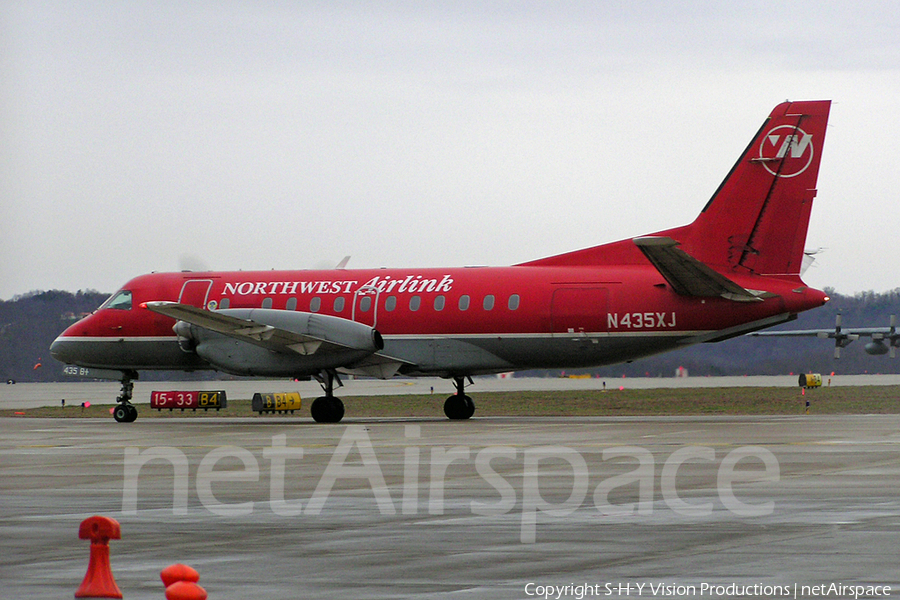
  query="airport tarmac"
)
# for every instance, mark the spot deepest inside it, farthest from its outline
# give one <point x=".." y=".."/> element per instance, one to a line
<point x="487" y="508"/>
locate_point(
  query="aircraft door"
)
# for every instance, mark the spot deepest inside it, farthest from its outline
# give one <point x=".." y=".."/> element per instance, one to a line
<point x="578" y="310"/>
<point x="365" y="305"/>
<point x="195" y="292"/>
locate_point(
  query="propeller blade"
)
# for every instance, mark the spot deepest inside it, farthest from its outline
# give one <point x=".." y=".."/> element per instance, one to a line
<point x="892" y="338"/>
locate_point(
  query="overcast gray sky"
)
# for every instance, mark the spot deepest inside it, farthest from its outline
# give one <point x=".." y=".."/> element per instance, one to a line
<point x="155" y="136"/>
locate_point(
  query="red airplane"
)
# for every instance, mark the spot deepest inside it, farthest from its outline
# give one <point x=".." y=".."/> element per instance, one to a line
<point x="734" y="270"/>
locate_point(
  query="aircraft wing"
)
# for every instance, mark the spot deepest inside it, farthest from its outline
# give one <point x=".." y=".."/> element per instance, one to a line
<point x="687" y="275"/>
<point x="855" y="333"/>
<point x="843" y="337"/>
<point x="347" y="345"/>
<point x="278" y="330"/>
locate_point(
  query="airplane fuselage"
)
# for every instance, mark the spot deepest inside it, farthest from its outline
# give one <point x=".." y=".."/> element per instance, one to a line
<point x="443" y="322"/>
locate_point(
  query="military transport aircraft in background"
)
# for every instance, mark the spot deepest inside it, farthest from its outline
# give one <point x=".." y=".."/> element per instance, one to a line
<point x="734" y="270"/>
<point x="885" y="340"/>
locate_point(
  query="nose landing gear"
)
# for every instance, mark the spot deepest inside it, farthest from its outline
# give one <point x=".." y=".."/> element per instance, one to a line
<point x="126" y="412"/>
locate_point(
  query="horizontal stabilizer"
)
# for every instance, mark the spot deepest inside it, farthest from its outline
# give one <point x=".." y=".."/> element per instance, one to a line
<point x="687" y="275"/>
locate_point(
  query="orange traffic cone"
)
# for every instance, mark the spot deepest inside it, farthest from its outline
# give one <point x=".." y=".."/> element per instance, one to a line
<point x="98" y="581"/>
<point x="181" y="583"/>
<point x="178" y="572"/>
<point x="185" y="590"/>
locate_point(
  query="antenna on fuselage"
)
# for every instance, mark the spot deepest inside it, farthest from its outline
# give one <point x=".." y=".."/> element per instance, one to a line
<point x="343" y="263"/>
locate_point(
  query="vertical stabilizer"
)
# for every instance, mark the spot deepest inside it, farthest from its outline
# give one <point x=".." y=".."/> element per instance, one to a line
<point x="757" y="219"/>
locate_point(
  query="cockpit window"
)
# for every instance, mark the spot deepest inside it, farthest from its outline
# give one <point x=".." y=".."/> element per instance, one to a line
<point x="119" y="301"/>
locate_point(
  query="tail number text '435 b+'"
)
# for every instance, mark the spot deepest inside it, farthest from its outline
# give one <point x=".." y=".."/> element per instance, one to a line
<point x="646" y="320"/>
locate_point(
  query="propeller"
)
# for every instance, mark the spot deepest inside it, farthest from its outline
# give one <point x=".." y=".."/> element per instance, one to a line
<point x="191" y="262"/>
<point x="891" y="336"/>
<point x="841" y="340"/>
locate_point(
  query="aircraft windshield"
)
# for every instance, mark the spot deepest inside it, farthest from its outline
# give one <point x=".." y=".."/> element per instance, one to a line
<point x="119" y="301"/>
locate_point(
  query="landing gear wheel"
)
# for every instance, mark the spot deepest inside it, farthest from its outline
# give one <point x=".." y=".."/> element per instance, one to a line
<point x="125" y="411"/>
<point x="327" y="409"/>
<point x="459" y="407"/>
<point x="121" y="413"/>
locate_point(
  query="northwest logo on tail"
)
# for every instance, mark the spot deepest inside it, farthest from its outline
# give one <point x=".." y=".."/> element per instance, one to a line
<point x="790" y="145"/>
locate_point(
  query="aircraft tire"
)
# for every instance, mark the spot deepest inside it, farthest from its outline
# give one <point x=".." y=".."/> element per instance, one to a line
<point x="132" y="413"/>
<point x="327" y="410"/>
<point x="337" y="410"/>
<point x="121" y="413"/>
<point x="459" y="408"/>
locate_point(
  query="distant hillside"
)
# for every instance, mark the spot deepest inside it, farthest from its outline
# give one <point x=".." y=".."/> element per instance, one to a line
<point x="30" y="323"/>
<point x="780" y="356"/>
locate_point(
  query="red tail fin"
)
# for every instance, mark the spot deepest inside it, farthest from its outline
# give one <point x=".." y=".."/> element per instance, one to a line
<point x="756" y="221"/>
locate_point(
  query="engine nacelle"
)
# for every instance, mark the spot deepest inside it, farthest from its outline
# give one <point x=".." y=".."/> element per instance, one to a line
<point x="186" y="340"/>
<point x="246" y="359"/>
<point x="349" y="341"/>
<point x="876" y="347"/>
<point x="345" y="332"/>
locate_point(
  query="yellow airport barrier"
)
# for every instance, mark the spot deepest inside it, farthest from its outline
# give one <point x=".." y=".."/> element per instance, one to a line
<point x="276" y="402"/>
<point x="810" y="380"/>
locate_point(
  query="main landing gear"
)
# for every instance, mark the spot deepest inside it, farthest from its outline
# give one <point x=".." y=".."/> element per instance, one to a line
<point x="327" y="408"/>
<point x="459" y="406"/>
<point x="125" y="411"/>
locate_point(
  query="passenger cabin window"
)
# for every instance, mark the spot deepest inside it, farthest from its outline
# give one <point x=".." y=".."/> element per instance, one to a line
<point x="464" y="302"/>
<point x="488" y="302"/>
<point x="513" y="302"/>
<point x="267" y="303"/>
<point x="391" y="303"/>
<point x="291" y="304"/>
<point x="339" y="304"/>
<point x="224" y="303"/>
<point x="365" y="303"/>
<point x="315" y="304"/>
<point x="439" y="303"/>
<point x="414" y="303"/>
<point x="121" y="301"/>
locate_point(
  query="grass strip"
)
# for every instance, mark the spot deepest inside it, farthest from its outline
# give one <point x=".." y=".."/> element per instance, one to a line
<point x="595" y="403"/>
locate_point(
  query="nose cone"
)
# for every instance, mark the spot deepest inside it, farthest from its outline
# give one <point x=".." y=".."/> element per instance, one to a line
<point x="62" y="348"/>
<point x="71" y="344"/>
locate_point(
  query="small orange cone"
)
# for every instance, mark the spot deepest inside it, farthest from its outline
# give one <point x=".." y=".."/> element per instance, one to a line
<point x="178" y="572"/>
<point x="185" y="590"/>
<point x="98" y="581"/>
<point x="181" y="583"/>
